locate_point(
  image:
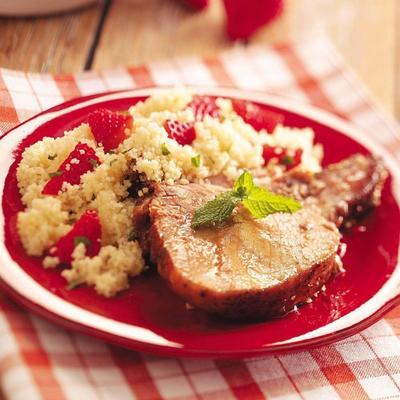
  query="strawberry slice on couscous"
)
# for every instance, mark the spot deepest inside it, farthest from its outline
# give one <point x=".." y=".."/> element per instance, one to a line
<point x="259" y="118"/>
<point x="81" y="160"/>
<point x="87" y="230"/>
<point x="204" y="105"/>
<point x="182" y="132"/>
<point x="110" y="128"/>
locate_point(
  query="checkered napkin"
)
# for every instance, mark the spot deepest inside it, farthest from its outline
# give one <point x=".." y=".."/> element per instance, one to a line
<point x="39" y="360"/>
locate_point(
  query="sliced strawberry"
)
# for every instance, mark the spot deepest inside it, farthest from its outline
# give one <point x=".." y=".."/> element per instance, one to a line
<point x="258" y="117"/>
<point x="204" y="105"/>
<point x="182" y="132"/>
<point x="197" y="4"/>
<point x="81" y="160"/>
<point x="270" y="153"/>
<point x="244" y="17"/>
<point x="109" y="128"/>
<point x="289" y="158"/>
<point x="86" y="230"/>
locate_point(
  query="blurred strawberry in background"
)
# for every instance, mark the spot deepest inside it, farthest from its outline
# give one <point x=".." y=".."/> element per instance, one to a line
<point x="244" y="17"/>
<point x="197" y="4"/>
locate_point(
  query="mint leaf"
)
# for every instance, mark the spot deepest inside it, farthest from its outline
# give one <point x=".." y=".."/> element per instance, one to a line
<point x="261" y="203"/>
<point x="73" y="285"/>
<point x="93" y="162"/>
<point x="196" y="161"/>
<point x="57" y="173"/>
<point x="132" y="235"/>
<point x="164" y="150"/>
<point x="244" y="184"/>
<point x="126" y="151"/>
<point x="216" y="210"/>
<point x="82" y="239"/>
<point x="287" y="160"/>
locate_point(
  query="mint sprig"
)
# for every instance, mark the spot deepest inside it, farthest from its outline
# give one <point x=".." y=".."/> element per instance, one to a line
<point x="259" y="201"/>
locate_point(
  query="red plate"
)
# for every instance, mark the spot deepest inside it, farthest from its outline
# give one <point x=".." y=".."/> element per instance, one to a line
<point x="149" y="316"/>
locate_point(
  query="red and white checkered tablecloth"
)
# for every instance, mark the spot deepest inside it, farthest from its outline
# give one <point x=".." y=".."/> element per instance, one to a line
<point x="39" y="360"/>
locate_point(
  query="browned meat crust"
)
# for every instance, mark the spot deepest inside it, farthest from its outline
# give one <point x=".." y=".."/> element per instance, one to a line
<point x="344" y="191"/>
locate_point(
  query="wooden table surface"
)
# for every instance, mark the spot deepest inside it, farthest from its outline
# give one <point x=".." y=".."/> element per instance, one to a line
<point x="116" y="32"/>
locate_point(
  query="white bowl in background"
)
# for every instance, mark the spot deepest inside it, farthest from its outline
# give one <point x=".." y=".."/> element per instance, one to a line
<point x="26" y="8"/>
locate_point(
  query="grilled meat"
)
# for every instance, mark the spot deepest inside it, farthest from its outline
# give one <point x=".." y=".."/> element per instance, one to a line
<point x="344" y="191"/>
<point x="244" y="269"/>
<point x="247" y="269"/>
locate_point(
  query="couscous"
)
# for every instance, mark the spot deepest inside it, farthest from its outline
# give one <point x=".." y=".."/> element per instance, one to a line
<point x="80" y="189"/>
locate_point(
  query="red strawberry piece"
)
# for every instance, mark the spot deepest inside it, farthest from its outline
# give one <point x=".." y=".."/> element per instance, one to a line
<point x="197" y="4"/>
<point x="182" y="132"/>
<point x="270" y="153"/>
<point x="81" y="160"/>
<point x="204" y="105"/>
<point x="109" y="128"/>
<point x="289" y="158"/>
<point x="86" y="230"/>
<point x="258" y="117"/>
<point x="244" y="17"/>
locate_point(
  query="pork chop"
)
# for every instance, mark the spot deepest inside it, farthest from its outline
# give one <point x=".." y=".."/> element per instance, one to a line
<point x="249" y="269"/>
<point x="344" y="191"/>
<point x="245" y="269"/>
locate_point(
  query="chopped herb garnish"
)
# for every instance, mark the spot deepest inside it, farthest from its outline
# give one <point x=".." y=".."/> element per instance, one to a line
<point x="126" y="151"/>
<point x="52" y="156"/>
<point x="56" y="173"/>
<point x="113" y="161"/>
<point x="132" y="236"/>
<point x="82" y="239"/>
<point x="257" y="200"/>
<point x="73" y="285"/>
<point x="93" y="163"/>
<point x="164" y="150"/>
<point x="287" y="160"/>
<point x="196" y="161"/>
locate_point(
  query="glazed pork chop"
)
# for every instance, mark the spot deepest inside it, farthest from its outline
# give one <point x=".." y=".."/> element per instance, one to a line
<point x="244" y="269"/>
<point x="247" y="269"/>
<point x="344" y="191"/>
